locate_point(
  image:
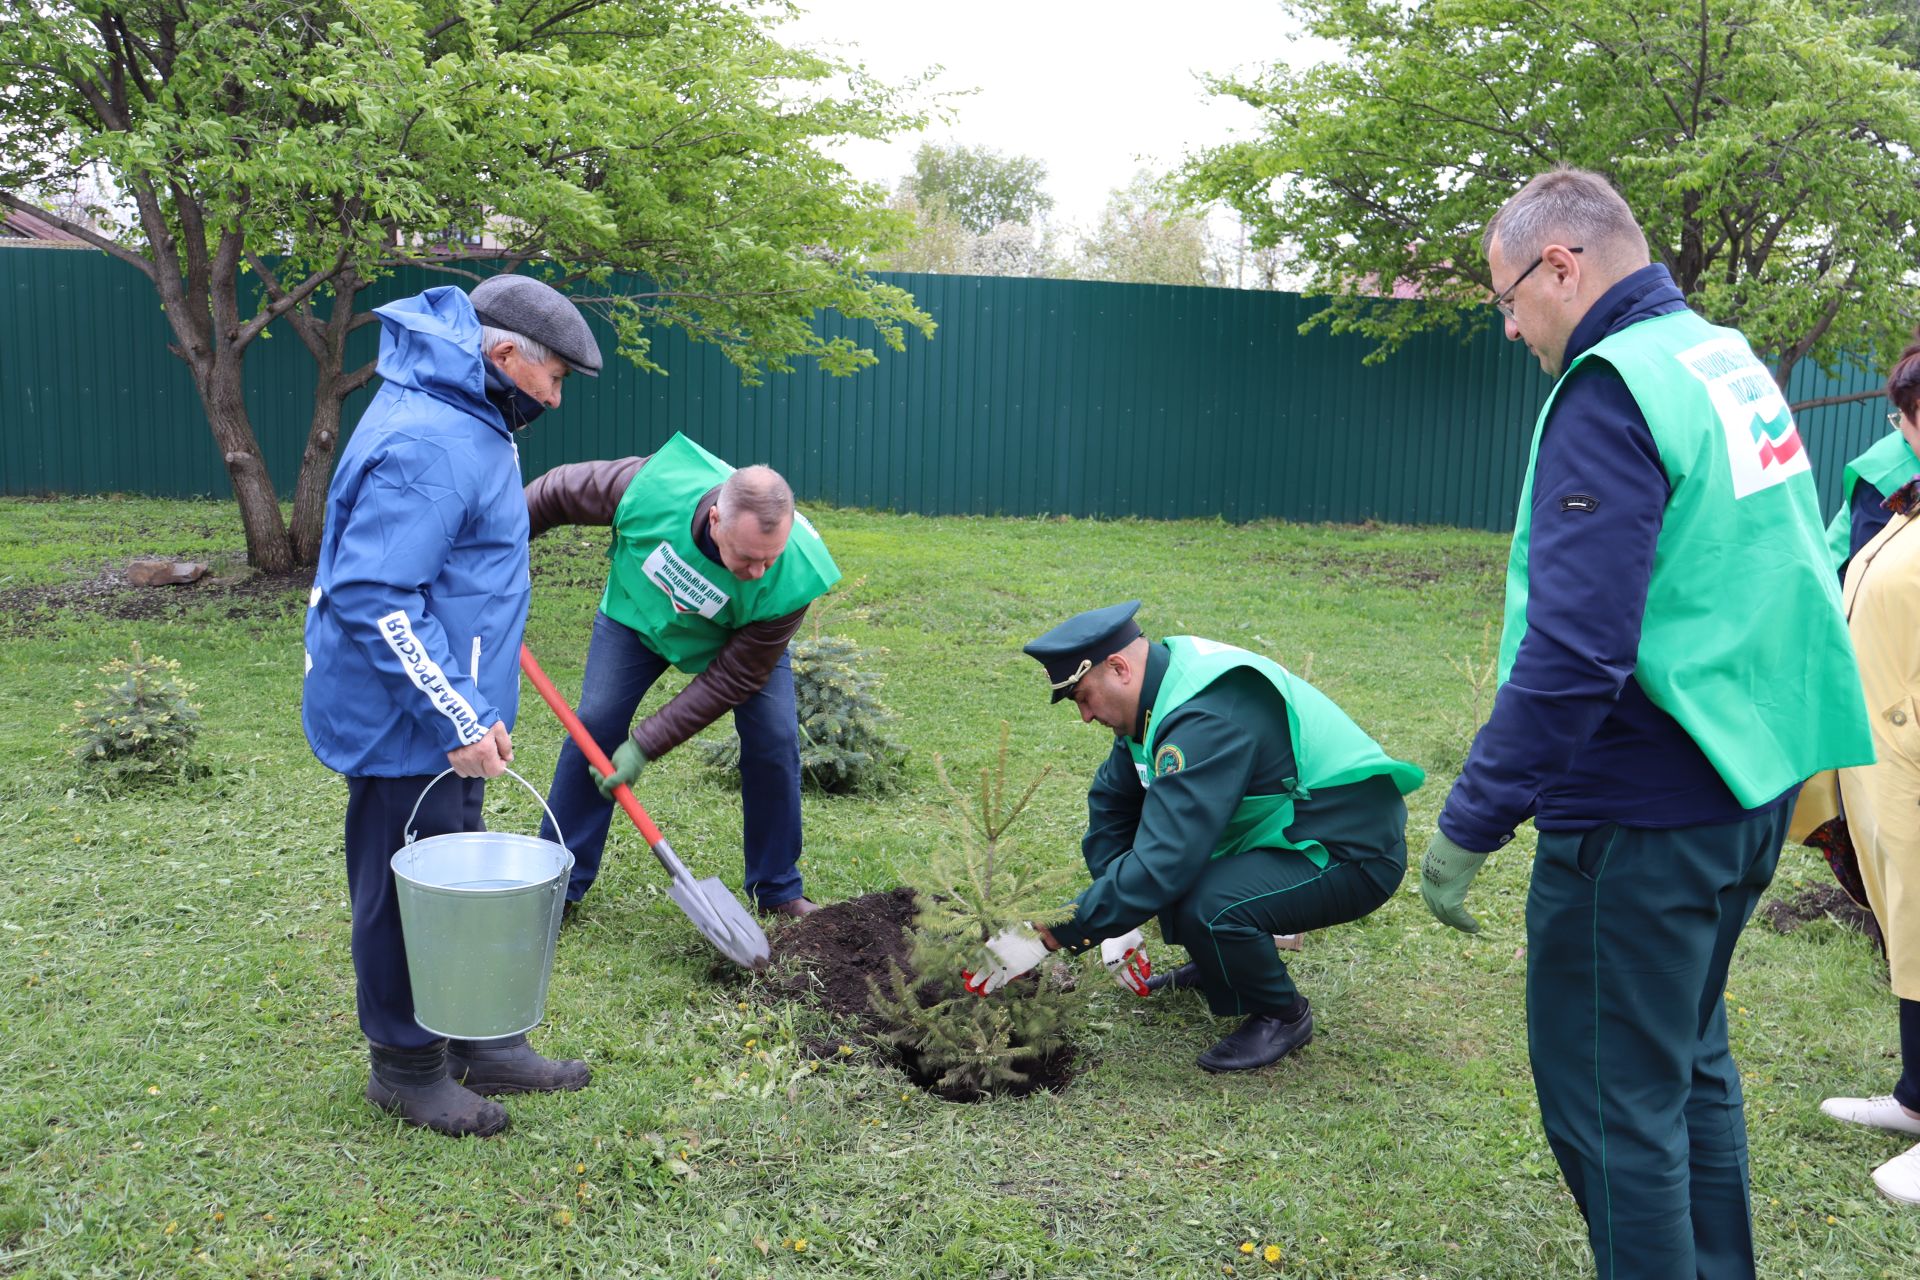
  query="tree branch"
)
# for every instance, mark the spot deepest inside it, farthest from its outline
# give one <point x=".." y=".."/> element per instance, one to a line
<point x="1822" y="402"/>
<point x="288" y="300"/>
<point x="86" y="233"/>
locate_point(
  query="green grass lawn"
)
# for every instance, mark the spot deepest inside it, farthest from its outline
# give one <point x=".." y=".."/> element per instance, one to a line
<point x="180" y="1066"/>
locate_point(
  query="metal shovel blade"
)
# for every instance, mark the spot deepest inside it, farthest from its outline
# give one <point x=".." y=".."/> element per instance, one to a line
<point x="716" y="913"/>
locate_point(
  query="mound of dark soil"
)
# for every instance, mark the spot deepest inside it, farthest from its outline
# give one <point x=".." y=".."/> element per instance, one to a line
<point x="37" y="610"/>
<point x="1819" y="901"/>
<point x="827" y="957"/>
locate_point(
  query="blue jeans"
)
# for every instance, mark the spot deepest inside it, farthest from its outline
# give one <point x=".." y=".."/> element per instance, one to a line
<point x="620" y="670"/>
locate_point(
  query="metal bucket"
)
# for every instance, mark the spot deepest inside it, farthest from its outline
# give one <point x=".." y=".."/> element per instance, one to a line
<point x="480" y="911"/>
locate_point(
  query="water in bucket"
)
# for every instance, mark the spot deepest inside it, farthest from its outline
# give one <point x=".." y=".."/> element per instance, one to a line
<point x="480" y="911"/>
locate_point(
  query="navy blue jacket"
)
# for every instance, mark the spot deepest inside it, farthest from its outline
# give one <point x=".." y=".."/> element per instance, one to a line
<point x="1869" y="515"/>
<point x="1573" y="741"/>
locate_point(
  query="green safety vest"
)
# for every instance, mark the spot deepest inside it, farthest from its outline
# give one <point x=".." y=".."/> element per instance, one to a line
<point x="1889" y="464"/>
<point x="663" y="586"/>
<point x="1743" y="642"/>
<point x="1329" y="749"/>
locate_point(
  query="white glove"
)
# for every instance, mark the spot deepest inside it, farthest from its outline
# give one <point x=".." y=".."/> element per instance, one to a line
<point x="1017" y="950"/>
<point x="1127" y="962"/>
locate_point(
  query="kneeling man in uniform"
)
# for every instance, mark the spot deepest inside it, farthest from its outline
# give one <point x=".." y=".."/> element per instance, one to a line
<point x="1238" y="803"/>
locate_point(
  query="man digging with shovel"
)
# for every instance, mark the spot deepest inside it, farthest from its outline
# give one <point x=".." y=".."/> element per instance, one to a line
<point x="1238" y="803"/>
<point x="712" y="572"/>
<point x="413" y="636"/>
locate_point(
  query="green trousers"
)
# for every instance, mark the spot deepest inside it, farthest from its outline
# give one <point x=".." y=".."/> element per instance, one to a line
<point x="1228" y="919"/>
<point x="1629" y="935"/>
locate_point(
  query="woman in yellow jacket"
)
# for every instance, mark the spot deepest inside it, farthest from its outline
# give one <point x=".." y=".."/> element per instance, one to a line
<point x="1882" y="800"/>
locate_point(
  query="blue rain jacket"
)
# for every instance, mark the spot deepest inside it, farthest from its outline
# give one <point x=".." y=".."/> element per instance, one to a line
<point x="413" y="628"/>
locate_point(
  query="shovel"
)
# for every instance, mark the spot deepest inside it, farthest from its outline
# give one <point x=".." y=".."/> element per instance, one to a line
<point x="715" y="912"/>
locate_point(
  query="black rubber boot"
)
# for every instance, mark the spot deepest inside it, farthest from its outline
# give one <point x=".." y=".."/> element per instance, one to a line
<point x="509" y="1066"/>
<point x="414" y="1085"/>
<point x="1260" y="1041"/>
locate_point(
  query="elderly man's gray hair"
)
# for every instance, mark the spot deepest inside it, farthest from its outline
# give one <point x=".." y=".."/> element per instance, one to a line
<point x="759" y="492"/>
<point x="1571" y="207"/>
<point x="491" y="337"/>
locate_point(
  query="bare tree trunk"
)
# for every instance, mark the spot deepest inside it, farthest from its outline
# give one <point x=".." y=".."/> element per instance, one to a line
<point x="269" y="549"/>
<point x="327" y="341"/>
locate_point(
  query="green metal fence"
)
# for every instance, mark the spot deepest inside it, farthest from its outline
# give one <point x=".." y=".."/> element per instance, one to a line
<point x="1036" y="397"/>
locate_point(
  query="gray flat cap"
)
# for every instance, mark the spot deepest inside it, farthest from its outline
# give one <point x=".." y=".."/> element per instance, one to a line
<point x="541" y="312"/>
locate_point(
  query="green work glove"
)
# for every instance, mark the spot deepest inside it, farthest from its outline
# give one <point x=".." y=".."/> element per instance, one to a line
<point x="628" y="761"/>
<point x="1445" y="873"/>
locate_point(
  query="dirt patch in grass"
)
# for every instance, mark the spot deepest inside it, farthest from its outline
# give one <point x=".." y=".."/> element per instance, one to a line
<point x="1817" y="902"/>
<point x="826" y="958"/>
<point x="1412" y="569"/>
<point x="41" y="609"/>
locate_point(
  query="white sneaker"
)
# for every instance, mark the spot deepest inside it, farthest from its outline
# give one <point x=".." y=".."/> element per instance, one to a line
<point x="1880" y="1113"/>
<point x="1899" y="1178"/>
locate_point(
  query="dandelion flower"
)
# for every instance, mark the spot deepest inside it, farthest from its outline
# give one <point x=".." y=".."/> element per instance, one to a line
<point x="1271" y="1253"/>
<point x="800" y="1245"/>
<point x="580" y="1168"/>
<point x="1246" y="1246"/>
<point x="742" y="1006"/>
<point x="170" y="1228"/>
<point x="1832" y="1221"/>
<point x="846" y="1051"/>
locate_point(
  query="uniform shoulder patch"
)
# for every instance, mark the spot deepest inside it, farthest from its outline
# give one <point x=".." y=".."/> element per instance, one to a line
<point x="1168" y="759"/>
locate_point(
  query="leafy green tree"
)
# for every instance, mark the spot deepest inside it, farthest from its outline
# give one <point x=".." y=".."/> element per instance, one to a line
<point x="1143" y="237"/>
<point x="280" y="159"/>
<point x="978" y="186"/>
<point x="1766" y="145"/>
<point x="941" y="245"/>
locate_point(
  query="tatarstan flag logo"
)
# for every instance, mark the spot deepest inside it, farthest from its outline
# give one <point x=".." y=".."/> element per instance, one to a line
<point x="1777" y="440"/>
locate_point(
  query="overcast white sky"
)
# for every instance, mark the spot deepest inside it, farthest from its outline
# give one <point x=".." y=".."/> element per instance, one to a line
<point x="1096" y="90"/>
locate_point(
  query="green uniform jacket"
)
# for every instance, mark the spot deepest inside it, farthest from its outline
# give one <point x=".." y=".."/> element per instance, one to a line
<point x="1146" y="847"/>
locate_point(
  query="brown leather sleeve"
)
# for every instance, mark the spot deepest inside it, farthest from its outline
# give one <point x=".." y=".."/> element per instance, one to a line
<point x="736" y="673"/>
<point x="579" y="493"/>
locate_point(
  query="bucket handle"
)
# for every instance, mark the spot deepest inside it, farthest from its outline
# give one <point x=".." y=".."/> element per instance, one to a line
<point x="412" y="836"/>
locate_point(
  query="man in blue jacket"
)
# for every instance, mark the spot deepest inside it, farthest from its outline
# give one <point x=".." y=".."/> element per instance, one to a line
<point x="413" y="639"/>
<point x="1651" y="719"/>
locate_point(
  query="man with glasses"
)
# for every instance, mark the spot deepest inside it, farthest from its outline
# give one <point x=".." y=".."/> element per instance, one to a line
<point x="1651" y="720"/>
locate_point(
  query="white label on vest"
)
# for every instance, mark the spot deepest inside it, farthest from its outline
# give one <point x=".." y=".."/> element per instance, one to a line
<point x="1210" y="647"/>
<point x="1763" y="445"/>
<point x="1146" y="774"/>
<point x="689" y="592"/>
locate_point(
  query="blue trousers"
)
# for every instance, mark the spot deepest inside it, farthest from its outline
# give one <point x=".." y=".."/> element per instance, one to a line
<point x="620" y="670"/>
<point x="377" y="810"/>
<point x="1629" y="935"/>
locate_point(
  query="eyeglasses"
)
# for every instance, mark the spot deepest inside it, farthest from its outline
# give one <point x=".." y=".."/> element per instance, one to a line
<point x="1503" y="300"/>
<point x="1893" y="419"/>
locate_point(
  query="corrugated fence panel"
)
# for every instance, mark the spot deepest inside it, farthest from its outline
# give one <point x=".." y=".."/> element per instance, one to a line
<point x="1036" y="397"/>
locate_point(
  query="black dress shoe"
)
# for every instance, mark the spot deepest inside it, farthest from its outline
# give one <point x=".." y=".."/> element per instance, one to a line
<point x="1177" y="979"/>
<point x="1260" y="1041"/>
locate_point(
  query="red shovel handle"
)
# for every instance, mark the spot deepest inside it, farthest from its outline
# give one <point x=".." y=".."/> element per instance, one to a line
<point x="588" y="747"/>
